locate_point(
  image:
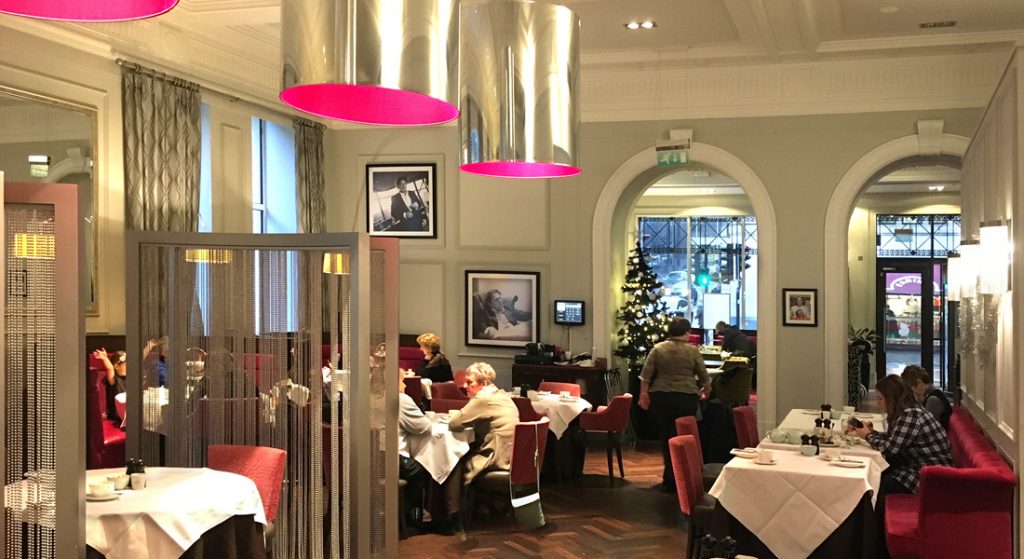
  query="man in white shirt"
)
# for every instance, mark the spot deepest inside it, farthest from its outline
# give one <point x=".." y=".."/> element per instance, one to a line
<point x="411" y="421"/>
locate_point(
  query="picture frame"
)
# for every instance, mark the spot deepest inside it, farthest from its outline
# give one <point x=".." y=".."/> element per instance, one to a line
<point x="416" y="206"/>
<point x="502" y="308"/>
<point x="799" y="307"/>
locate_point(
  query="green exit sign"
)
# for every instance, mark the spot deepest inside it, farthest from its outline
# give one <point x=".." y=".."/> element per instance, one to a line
<point x="673" y="157"/>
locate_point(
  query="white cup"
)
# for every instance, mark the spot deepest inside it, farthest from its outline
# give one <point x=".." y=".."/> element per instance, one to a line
<point x="533" y="395"/>
<point x="101" y="489"/>
<point x="764" y="456"/>
<point x="849" y="410"/>
<point x="564" y="394"/>
<point x="138" y="481"/>
<point x="120" y="481"/>
<point x="833" y="453"/>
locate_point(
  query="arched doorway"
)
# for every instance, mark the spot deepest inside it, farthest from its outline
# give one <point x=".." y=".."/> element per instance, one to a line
<point x="620" y="194"/>
<point x="929" y="142"/>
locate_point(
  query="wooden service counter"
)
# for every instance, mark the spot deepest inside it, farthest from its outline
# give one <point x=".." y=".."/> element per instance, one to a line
<point x="591" y="379"/>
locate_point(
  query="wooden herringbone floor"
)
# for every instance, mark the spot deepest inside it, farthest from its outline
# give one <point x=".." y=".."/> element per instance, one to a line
<point x="585" y="519"/>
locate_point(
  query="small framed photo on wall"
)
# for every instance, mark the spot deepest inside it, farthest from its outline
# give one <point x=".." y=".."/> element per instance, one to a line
<point x="501" y="308"/>
<point x="799" y="307"/>
<point x="401" y="200"/>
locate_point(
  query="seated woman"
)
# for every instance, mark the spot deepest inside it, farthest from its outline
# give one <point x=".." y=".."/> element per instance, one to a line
<point x="116" y="379"/>
<point x="914" y="439"/>
<point x="436" y="367"/>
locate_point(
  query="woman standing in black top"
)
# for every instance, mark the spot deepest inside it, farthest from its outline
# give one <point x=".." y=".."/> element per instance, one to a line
<point x="436" y="366"/>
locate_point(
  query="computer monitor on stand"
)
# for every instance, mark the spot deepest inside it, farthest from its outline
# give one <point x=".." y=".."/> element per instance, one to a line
<point x="570" y="313"/>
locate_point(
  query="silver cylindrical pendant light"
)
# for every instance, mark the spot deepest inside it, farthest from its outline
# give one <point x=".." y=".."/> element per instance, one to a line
<point x="519" y="89"/>
<point x="390" y="62"/>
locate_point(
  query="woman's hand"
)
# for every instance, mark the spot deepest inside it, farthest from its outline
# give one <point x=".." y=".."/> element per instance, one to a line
<point x="861" y="432"/>
<point x="645" y="400"/>
<point x="101" y="354"/>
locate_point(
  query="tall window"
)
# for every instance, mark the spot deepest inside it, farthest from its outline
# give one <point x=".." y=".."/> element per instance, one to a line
<point x="917" y="236"/>
<point x="708" y="266"/>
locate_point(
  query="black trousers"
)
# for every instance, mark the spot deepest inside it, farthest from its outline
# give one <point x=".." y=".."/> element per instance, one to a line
<point x="416" y="478"/>
<point x="666" y="407"/>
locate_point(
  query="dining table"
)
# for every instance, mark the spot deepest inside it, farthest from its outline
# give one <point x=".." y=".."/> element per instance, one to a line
<point x="440" y="450"/>
<point x="797" y="505"/>
<point x="155" y="402"/>
<point x="181" y="512"/>
<point x="560" y="410"/>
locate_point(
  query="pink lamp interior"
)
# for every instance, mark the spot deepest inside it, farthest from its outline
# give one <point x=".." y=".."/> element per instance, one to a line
<point x="368" y="104"/>
<point x="87" y="10"/>
<point x="520" y="169"/>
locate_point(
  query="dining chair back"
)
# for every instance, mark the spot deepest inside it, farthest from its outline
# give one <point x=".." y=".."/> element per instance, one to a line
<point x="733" y="387"/>
<point x="558" y="387"/>
<point x="611" y="419"/>
<point x="687" y="425"/>
<point x="693" y="502"/>
<point x="528" y="444"/>
<point x="414" y="389"/>
<point x="104" y="439"/>
<point x="264" y="465"/>
<point x="745" y="419"/>
<point x="447" y="391"/>
<point x="442" y="405"/>
<point x="526" y="410"/>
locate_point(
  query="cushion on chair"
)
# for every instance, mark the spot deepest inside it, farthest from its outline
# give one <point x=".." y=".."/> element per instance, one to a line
<point x="902" y="534"/>
<point x="494" y="480"/>
<point x="264" y="465"/>
<point x="703" y="510"/>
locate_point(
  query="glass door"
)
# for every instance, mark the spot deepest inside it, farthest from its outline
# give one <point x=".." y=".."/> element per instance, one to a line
<point x="911" y="317"/>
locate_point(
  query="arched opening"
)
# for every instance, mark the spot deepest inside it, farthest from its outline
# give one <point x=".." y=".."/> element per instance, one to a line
<point x="610" y="247"/>
<point x="919" y="149"/>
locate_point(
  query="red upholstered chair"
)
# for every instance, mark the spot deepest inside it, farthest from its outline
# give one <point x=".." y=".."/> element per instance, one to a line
<point x="687" y="425"/>
<point x="447" y="391"/>
<point x="526" y="410"/>
<point x="695" y="339"/>
<point x="414" y="389"/>
<point x="442" y="405"/>
<point x="410" y="358"/>
<point x="558" y="387"/>
<point x="696" y="505"/>
<point x="105" y="439"/>
<point x="459" y="377"/>
<point x="528" y="445"/>
<point x="264" y="465"/>
<point x="745" y="419"/>
<point x="611" y="419"/>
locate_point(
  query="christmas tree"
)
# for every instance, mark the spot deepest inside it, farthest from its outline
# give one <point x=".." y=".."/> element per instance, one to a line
<point x="642" y="318"/>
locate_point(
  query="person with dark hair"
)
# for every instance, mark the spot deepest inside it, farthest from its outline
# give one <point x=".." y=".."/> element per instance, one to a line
<point x="407" y="209"/>
<point x="116" y="366"/>
<point x="671" y="383"/>
<point x="919" y="381"/>
<point x="733" y="340"/>
<point x="914" y="439"/>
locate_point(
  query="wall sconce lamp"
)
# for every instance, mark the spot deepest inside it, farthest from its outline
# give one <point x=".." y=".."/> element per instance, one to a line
<point x="336" y="263"/>
<point x="208" y="255"/>
<point x="87" y="10"/>
<point x="970" y="259"/>
<point x="38" y="246"/>
<point x="995" y="254"/>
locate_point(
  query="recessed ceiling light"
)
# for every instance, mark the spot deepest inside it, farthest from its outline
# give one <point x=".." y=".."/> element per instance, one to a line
<point x="889" y="9"/>
<point x="645" y="24"/>
<point x="937" y="187"/>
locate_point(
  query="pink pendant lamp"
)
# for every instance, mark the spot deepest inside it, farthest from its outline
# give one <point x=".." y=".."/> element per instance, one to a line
<point x="385" y="62"/>
<point x="87" y="10"/>
<point x="519" y="90"/>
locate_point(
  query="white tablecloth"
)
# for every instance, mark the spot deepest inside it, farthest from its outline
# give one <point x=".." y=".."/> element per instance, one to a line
<point x="154" y="408"/>
<point x="794" y="505"/>
<point x="440" y="450"/>
<point x="560" y="411"/>
<point x="802" y="421"/>
<point x="175" y="509"/>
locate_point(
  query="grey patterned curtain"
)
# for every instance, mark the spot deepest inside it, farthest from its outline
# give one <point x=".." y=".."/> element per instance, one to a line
<point x="309" y="176"/>
<point x="162" y="154"/>
<point x="161" y="150"/>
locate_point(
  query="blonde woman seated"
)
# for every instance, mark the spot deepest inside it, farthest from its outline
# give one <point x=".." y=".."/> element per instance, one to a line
<point x="436" y="365"/>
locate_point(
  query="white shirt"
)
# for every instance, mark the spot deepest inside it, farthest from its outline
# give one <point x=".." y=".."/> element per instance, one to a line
<point x="411" y="421"/>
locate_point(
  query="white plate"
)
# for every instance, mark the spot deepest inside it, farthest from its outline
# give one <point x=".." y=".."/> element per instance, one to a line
<point x="847" y="463"/>
<point x="772" y="463"/>
<point x="91" y="497"/>
<point x="811" y="412"/>
<point x="544" y="392"/>
<point x="743" y="453"/>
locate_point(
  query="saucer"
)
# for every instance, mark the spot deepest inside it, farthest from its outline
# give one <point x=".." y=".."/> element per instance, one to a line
<point x="743" y="453"/>
<point x="772" y="463"/>
<point x="544" y="392"/>
<point x="568" y="398"/>
<point x="847" y="463"/>
<point x="91" y="497"/>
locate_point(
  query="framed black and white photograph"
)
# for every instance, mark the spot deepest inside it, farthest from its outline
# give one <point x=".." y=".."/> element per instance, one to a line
<point x="501" y="308"/>
<point x="401" y="200"/>
<point x="799" y="307"/>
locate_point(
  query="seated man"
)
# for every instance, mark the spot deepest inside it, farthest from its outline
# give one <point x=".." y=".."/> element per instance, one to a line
<point x="733" y="340"/>
<point x="934" y="400"/>
<point x="411" y="422"/>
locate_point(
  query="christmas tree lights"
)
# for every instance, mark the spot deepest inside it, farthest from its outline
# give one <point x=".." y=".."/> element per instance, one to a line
<point x="643" y="318"/>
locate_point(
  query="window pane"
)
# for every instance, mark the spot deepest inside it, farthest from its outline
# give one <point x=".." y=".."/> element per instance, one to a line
<point x="205" y="172"/>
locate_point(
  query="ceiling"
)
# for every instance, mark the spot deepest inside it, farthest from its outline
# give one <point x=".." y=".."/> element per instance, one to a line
<point x="702" y="31"/>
